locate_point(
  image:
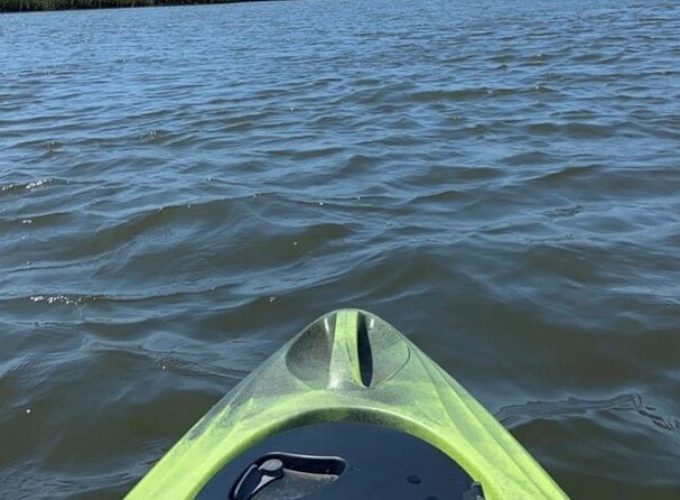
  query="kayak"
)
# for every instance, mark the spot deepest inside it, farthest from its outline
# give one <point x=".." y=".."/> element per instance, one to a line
<point x="348" y="408"/>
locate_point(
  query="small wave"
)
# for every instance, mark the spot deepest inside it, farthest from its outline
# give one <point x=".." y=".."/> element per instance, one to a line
<point x="569" y="211"/>
<point x="22" y="187"/>
<point x="567" y="173"/>
<point x="194" y="361"/>
<point x="70" y="300"/>
<point x="583" y="130"/>
<point x="312" y="153"/>
<point x="451" y="95"/>
<point x="446" y="197"/>
<point x="154" y="136"/>
<point x="517" y="415"/>
<point x="530" y="158"/>
<point x="477" y="173"/>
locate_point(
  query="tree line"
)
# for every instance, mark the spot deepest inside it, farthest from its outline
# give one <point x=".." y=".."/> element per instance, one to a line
<point x="33" y="5"/>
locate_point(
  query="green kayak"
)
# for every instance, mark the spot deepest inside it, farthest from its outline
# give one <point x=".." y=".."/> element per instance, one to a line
<point x="348" y="408"/>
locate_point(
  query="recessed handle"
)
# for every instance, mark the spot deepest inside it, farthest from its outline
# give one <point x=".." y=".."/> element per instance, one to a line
<point x="303" y="472"/>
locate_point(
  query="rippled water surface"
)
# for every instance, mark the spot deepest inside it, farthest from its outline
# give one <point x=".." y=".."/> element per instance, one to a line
<point x="182" y="189"/>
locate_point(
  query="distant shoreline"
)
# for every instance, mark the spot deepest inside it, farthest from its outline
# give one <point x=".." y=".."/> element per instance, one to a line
<point x="8" y="6"/>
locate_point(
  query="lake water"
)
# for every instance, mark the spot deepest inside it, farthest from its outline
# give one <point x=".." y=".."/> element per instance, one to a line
<point x="182" y="189"/>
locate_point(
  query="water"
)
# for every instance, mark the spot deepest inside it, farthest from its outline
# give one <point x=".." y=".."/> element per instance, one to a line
<point x="182" y="189"/>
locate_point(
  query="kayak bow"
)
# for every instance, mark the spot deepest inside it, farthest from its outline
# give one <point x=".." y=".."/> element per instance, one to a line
<point x="347" y="402"/>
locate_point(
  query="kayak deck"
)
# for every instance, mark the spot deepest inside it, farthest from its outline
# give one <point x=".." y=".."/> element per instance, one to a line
<point x="366" y="461"/>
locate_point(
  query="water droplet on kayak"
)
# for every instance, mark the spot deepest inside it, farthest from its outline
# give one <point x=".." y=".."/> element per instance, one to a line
<point x="414" y="479"/>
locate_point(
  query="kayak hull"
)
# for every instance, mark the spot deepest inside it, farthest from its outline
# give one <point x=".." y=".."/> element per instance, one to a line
<point x="350" y="365"/>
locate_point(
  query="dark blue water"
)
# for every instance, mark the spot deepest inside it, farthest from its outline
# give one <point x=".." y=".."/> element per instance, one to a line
<point x="182" y="189"/>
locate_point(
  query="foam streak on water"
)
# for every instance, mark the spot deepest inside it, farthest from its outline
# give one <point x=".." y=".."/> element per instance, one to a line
<point x="181" y="189"/>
